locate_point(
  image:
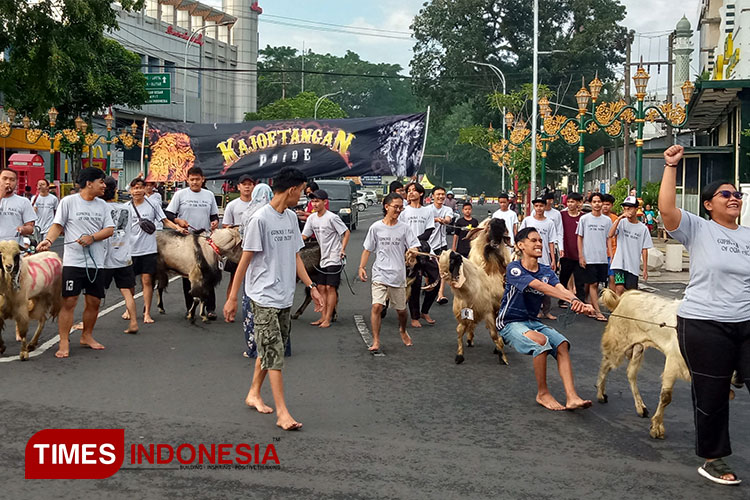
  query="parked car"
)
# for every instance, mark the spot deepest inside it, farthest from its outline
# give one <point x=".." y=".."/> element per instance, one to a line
<point x="370" y="195"/>
<point x="461" y="194"/>
<point x="342" y="200"/>
<point x="362" y="201"/>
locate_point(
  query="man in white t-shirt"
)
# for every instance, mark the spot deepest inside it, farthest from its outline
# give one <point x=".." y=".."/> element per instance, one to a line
<point x="154" y="197"/>
<point x="509" y="216"/>
<point x="333" y="236"/>
<point x="195" y="209"/>
<point x="17" y="216"/>
<point x="546" y="229"/>
<point x="143" y="247"/>
<point x="45" y="205"/>
<point x="421" y="220"/>
<point x="118" y="262"/>
<point x="270" y="260"/>
<point x="554" y="215"/>
<point x="593" y="230"/>
<point x="389" y="239"/>
<point x="438" y="242"/>
<point x="633" y="242"/>
<point x="233" y="216"/>
<point x="87" y="222"/>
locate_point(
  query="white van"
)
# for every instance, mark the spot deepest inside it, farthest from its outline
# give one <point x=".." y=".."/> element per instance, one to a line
<point x="460" y="193"/>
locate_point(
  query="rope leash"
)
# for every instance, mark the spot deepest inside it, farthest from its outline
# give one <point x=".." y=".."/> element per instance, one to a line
<point x="567" y="317"/>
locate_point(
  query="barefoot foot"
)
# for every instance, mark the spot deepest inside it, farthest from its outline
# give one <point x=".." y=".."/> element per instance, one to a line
<point x="549" y="402"/>
<point x="577" y="403"/>
<point x="324" y="324"/>
<point x="288" y="423"/>
<point x="258" y="404"/>
<point x="91" y="344"/>
<point x="551" y="316"/>
<point x="316" y="322"/>
<point x="374" y="347"/>
<point x="428" y="319"/>
<point x="78" y="326"/>
<point x="416" y="324"/>
<point x="62" y="353"/>
<point x="148" y="319"/>
<point x="125" y="315"/>
<point x="406" y="339"/>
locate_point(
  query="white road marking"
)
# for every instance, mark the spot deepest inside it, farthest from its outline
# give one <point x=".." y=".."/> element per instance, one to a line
<point x="54" y="340"/>
<point x="364" y="332"/>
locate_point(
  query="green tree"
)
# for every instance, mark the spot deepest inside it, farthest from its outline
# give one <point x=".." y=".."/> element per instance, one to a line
<point x="300" y="106"/>
<point x="58" y="56"/>
<point x="382" y="91"/>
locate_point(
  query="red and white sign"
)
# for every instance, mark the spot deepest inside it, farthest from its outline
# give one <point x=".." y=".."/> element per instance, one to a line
<point x="75" y="453"/>
<point x="184" y="35"/>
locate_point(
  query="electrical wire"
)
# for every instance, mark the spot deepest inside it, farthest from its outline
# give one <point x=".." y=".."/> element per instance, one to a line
<point x="336" y="25"/>
<point x="334" y="30"/>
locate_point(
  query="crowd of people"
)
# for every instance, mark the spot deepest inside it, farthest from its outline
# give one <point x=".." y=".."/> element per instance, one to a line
<point x="566" y="255"/>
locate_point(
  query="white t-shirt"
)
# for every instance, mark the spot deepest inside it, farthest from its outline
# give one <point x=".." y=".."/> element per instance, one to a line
<point x="594" y="231"/>
<point x="438" y="239"/>
<point x="328" y="229"/>
<point x="546" y="229"/>
<point x="418" y="219"/>
<point x="118" y="245"/>
<point x="155" y="199"/>
<point x="511" y="219"/>
<point x="45" y="210"/>
<point x="275" y="239"/>
<point x="554" y="215"/>
<point x="78" y="217"/>
<point x="142" y="243"/>
<point x="195" y="208"/>
<point x="15" y="211"/>
<point x="389" y="244"/>
<point x="233" y="212"/>
<point x="719" y="286"/>
<point x="631" y="240"/>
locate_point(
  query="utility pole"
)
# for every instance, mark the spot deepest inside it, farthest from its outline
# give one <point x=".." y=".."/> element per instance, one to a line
<point x="303" y="65"/>
<point x="670" y="75"/>
<point x="626" y="135"/>
<point x="283" y="82"/>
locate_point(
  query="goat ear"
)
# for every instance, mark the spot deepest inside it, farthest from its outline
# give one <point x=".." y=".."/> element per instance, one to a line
<point x="472" y="233"/>
<point x="16" y="265"/>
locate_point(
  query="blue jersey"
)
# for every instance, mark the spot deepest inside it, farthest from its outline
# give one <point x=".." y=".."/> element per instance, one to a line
<point x="520" y="301"/>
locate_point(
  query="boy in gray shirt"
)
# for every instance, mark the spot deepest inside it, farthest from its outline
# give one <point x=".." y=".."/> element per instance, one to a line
<point x="633" y="242"/>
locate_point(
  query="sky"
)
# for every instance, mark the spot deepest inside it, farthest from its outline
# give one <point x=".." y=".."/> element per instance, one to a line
<point x="652" y="20"/>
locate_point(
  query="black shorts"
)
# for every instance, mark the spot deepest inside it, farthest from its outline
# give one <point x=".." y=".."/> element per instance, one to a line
<point x="595" y="273"/>
<point x="230" y="267"/>
<point x="629" y="280"/>
<point x="330" y="275"/>
<point x="75" y="279"/>
<point x="123" y="276"/>
<point x="144" y="264"/>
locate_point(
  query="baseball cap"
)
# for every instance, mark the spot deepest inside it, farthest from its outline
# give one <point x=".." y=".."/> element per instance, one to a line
<point x="244" y="178"/>
<point x="319" y="194"/>
<point x="630" y="201"/>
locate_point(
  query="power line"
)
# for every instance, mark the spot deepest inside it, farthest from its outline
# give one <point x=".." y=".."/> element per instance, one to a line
<point x="338" y="25"/>
<point x="334" y="30"/>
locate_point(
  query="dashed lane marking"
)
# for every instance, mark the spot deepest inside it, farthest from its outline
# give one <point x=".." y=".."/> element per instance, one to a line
<point x="364" y="332"/>
<point x="54" y="340"/>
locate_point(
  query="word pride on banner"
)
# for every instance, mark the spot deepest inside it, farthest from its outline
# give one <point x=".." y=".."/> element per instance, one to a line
<point x="386" y="145"/>
<point x="74" y="453"/>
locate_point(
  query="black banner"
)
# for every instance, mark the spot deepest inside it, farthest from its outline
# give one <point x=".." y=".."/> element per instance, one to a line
<point x="386" y="145"/>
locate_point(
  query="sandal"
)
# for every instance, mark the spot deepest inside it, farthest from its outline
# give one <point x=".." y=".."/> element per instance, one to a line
<point x="715" y="469"/>
<point x="442" y="301"/>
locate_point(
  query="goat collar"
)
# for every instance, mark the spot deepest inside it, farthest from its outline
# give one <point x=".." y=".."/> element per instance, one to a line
<point x="213" y="246"/>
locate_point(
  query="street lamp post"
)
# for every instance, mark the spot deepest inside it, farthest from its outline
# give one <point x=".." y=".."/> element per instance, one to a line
<point x="184" y="67"/>
<point x="320" y="99"/>
<point x="501" y="76"/>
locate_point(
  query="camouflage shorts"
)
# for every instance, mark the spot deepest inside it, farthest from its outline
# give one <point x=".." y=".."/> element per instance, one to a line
<point x="272" y="327"/>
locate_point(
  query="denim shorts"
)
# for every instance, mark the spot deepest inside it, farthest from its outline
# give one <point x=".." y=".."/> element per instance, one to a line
<point x="513" y="334"/>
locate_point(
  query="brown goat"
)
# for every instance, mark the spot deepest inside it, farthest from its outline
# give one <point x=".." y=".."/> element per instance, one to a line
<point x="194" y="257"/>
<point x="478" y="283"/>
<point x="31" y="289"/>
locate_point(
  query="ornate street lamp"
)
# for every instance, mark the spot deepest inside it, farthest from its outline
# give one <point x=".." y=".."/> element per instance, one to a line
<point x="11" y="115"/>
<point x="52" y="113"/>
<point x="79" y="122"/>
<point x="596" y="87"/>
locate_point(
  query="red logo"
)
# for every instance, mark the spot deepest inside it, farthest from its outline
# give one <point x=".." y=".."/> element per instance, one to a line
<point x="198" y="40"/>
<point x="256" y="8"/>
<point x="75" y="453"/>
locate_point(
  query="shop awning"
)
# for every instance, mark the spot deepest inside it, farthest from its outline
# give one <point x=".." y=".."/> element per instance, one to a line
<point x="712" y="101"/>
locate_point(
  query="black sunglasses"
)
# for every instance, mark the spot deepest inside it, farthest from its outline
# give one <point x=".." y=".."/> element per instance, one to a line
<point x="725" y="193"/>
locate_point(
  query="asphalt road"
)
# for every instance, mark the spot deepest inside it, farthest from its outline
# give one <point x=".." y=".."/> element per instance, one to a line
<point x="410" y="424"/>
